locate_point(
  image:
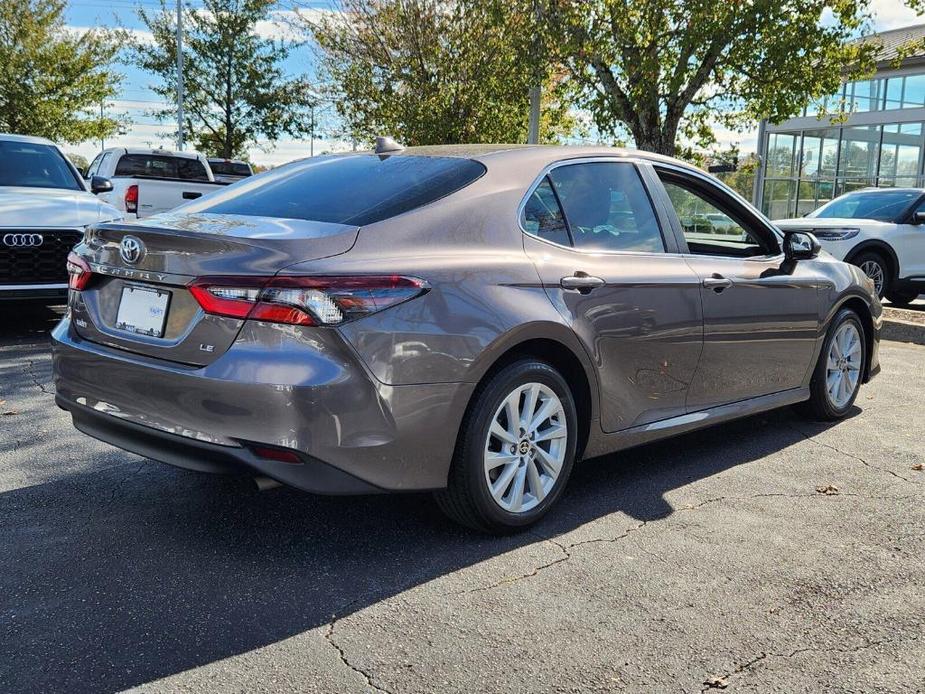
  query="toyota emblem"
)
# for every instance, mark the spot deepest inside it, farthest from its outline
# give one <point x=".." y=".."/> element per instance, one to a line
<point x="23" y="240"/>
<point x="131" y="249"/>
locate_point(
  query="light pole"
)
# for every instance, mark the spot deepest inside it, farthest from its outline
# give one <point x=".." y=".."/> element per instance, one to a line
<point x="179" y="76"/>
<point x="533" y="129"/>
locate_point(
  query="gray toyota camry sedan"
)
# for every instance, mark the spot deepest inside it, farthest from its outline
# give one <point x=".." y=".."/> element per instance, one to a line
<point x="466" y="320"/>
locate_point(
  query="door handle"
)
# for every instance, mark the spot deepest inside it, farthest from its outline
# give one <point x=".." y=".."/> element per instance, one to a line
<point x="191" y="196"/>
<point x="581" y="281"/>
<point x="717" y="282"/>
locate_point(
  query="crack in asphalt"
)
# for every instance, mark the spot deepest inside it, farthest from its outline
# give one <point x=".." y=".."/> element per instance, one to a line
<point x="329" y="637"/>
<point x="30" y="369"/>
<point x="566" y="548"/>
<point x="813" y="439"/>
<point x="764" y="655"/>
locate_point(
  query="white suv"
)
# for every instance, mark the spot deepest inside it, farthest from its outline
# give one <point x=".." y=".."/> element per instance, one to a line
<point x="881" y="230"/>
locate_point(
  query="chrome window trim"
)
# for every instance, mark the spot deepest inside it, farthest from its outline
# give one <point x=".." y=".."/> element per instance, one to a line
<point x="607" y="159"/>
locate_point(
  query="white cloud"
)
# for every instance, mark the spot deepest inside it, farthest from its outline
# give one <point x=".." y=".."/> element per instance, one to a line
<point x="892" y="14"/>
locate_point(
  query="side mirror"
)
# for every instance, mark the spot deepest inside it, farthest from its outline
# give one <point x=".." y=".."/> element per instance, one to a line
<point x="800" y="245"/>
<point x="100" y="184"/>
<point x="918" y="217"/>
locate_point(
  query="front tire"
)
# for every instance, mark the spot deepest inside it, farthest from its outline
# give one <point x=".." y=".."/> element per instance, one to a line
<point x="902" y="298"/>
<point x="840" y="369"/>
<point x="876" y="267"/>
<point x="515" y="451"/>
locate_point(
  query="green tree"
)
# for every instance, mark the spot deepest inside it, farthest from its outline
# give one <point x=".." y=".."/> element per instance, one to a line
<point x="52" y="81"/>
<point x="663" y="68"/>
<point x="235" y="90"/>
<point x="436" y="71"/>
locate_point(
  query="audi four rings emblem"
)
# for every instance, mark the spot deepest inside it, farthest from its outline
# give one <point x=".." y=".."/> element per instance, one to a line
<point x="131" y="249"/>
<point x="23" y="240"/>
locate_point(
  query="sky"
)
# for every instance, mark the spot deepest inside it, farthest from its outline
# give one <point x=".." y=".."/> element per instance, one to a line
<point x="137" y="100"/>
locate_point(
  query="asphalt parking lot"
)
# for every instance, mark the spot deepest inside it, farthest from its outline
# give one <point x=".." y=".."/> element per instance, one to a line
<point x="768" y="555"/>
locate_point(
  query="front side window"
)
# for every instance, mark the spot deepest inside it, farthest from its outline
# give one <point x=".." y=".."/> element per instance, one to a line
<point x="94" y="166"/>
<point x="35" y="166"/>
<point x="711" y="228"/>
<point x="606" y="207"/>
<point x="542" y="217"/>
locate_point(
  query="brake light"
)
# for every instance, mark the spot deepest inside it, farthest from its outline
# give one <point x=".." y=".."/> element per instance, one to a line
<point x="131" y="199"/>
<point x="303" y="300"/>
<point x="78" y="272"/>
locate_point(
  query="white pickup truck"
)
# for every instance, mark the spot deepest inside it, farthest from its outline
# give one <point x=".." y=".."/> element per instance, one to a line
<point x="142" y="182"/>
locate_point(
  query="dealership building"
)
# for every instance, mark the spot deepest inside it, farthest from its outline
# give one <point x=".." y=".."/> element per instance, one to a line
<point x="808" y="160"/>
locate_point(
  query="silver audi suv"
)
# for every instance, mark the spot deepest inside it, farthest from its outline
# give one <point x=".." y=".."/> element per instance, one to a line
<point x="467" y="320"/>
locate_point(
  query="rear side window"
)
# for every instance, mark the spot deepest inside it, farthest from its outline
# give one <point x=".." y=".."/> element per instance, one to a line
<point x="607" y="207"/>
<point x="353" y="189"/>
<point x="542" y="216"/>
<point x="160" y="166"/>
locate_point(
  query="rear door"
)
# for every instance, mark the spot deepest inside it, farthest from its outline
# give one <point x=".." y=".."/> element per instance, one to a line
<point x="761" y="315"/>
<point x="598" y="245"/>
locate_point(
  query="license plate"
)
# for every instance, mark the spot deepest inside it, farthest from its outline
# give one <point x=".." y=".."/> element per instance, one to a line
<point x="143" y="311"/>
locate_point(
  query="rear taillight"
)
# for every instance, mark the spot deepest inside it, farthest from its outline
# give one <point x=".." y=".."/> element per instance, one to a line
<point x="131" y="199"/>
<point x="78" y="272"/>
<point x="303" y="300"/>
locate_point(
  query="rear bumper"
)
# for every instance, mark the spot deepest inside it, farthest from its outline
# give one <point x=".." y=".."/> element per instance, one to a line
<point x="311" y="475"/>
<point x="274" y="386"/>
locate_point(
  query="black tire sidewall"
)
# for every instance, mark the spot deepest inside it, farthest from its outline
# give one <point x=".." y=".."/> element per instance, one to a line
<point x="819" y="391"/>
<point x="479" y="421"/>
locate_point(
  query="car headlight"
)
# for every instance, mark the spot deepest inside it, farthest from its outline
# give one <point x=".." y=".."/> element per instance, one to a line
<point x="835" y="234"/>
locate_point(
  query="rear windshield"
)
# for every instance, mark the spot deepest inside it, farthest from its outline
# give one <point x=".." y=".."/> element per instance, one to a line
<point x="35" y="166"/>
<point x="229" y="168"/>
<point x="161" y="166"/>
<point x="354" y="189"/>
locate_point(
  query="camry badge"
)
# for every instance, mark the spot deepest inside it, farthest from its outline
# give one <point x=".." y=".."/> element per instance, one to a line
<point x="23" y="240"/>
<point x="131" y="249"/>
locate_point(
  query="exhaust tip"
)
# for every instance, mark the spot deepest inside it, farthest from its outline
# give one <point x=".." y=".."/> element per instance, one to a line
<point x="266" y="483"/>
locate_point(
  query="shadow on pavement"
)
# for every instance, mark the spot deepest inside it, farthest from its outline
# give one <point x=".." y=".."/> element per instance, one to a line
<point x="121" y="576"/>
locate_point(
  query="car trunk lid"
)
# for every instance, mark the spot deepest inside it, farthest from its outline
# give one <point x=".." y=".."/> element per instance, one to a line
<point x="139" y="299"/>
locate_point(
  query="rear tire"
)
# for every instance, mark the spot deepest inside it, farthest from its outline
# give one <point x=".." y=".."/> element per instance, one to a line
<point x="840" y="369"/>
<point x="902" y="298"/>
<point x="515" y="450"/>
<point x="875" y="266"/>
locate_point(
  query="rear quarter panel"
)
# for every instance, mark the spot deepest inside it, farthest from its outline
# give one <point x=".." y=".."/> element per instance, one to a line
<point x="485" y="294"/>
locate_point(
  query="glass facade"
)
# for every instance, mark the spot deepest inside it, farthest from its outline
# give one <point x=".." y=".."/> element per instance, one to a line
<point x="878" y="94"/>
<point x="807" y="168"/>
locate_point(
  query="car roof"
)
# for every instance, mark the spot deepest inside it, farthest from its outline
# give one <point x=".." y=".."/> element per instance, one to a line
<point x="512" y="154"/>
<point x="161" y="152"/>
<point x="886" y="190"/>
<point x="10" y="137"/>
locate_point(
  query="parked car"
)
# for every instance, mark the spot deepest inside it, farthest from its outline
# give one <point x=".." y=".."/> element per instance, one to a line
<point x="46" y="208"/>
<point x="470" y="320"/>
<point x="230" y="170"/>
<point x="881" y="230"/>
<point x="143" y="182"/>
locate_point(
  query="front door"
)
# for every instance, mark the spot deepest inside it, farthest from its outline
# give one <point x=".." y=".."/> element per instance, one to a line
<point x="761" y="315"/>
<point x="598" y="246"/>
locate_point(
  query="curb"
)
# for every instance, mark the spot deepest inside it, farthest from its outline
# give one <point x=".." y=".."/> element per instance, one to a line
<point x="897" y="329"/>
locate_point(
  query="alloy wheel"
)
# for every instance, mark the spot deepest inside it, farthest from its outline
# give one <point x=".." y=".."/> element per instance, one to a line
<point x="874" y="270"/>
<point x="843" y="365"/>
<point x="525" y="447"/>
